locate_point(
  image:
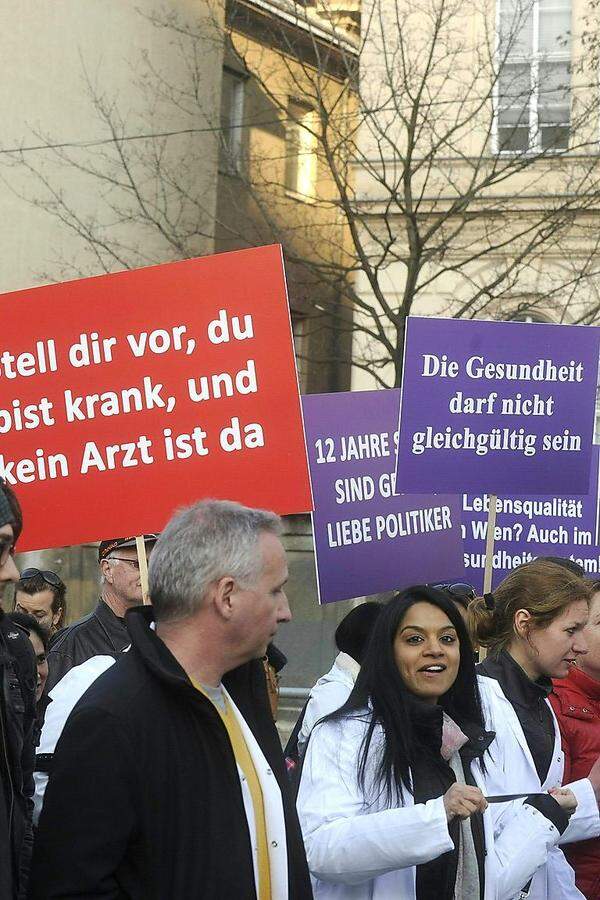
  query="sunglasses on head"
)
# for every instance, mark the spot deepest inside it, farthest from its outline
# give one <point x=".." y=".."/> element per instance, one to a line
<point x="459" y="589"/>
<point x="49" y="577"/>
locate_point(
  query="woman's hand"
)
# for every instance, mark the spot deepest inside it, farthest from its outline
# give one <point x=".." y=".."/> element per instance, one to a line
<point x="462" y="800"/>
<point x="565" y="798"/>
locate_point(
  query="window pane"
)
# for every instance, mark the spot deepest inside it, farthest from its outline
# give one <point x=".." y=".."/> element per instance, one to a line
<point x="514" y="86"/>
<point x="555" y="27"/>
<point x="301" y="146"/>
<point x="232" y="111"/>
<point x="514" y="139"/>
<point x="554" y="93"/>
<point x="516" y="28"/>
<point x="292" y="149"/>
<point x="555" y="137"/>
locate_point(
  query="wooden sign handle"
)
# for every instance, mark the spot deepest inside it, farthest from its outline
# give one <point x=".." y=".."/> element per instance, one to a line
<point x="143" y="563"/>
<point x="489" y="545"/>
<point x="489" y="554"/>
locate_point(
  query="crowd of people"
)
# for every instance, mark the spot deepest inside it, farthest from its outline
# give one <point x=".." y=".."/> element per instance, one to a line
<point x="139" y="757"/>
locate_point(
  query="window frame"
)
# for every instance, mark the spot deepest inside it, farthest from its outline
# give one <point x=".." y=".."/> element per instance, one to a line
<point x="231" y="144"/>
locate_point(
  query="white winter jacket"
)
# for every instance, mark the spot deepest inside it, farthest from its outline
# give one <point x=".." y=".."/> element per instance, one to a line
<point x="359" y="849"/>
<point x="329" y="693"/>
<point x="511" y="769"/>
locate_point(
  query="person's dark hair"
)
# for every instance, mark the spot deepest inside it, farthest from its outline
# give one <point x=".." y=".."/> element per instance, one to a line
<point x="15" y="507"/>
<point x="37" y="583"/>
<point x="380" y="684"/>
<point x="353" y="633"/>
<point x="30" y="623"/>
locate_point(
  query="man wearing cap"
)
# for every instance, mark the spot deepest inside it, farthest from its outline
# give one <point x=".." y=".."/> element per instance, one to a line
<point x="18" y="677"/>
<point x="103" y="630"/>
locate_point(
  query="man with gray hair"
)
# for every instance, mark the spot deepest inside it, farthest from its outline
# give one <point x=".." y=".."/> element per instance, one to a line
<point x="103" y="630"/>
<point x="180" y="787"/>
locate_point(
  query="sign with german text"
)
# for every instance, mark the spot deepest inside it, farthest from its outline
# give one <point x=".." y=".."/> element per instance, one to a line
<point x="124" y="396"/>
<point x="367" y="540"/>
<point x="497" y="407"/>
<point x="527" y="527"/>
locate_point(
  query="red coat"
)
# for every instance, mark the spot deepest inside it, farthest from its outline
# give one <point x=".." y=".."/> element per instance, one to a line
<point x="576" y="702"/>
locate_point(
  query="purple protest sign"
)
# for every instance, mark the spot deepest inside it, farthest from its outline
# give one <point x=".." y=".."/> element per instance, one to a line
<point x="527" y="527"/>
<point x="366" y="539"/>
<point x="500" y="407"/>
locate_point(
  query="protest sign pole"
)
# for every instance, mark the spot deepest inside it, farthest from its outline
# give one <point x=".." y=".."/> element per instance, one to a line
<point x="143" y="563"/>
<point x="489" y="554"/>
<point x="489" y="544"/>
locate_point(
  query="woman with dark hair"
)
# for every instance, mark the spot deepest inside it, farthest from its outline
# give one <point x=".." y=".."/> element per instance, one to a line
<point x="390" y="798"/>
<point x="533" y="626"/>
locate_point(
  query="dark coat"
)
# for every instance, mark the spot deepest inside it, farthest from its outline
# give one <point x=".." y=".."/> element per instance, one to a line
<point x="18" y="677"/>
<point x="100" y="632"/>
<point x="145" y="802"/>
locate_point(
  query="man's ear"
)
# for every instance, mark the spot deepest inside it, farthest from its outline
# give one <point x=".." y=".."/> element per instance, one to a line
<point x="106" y="570"/>
<point x="222" y="596"/>
<point x="56" y="616"/>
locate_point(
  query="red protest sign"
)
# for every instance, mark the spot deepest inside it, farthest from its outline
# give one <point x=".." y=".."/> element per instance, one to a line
<point x="125" y="396"/>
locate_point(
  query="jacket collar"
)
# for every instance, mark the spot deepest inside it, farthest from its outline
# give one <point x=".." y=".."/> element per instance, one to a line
<point x="245" y="685"/>
<point x="113" y="626"/>
<point x="514" y="681"/>
<point x="585" y="683"/>
<point x="347" y="664"/>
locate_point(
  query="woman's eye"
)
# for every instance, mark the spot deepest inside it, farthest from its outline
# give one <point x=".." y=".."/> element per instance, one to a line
<point x="414" y="639"/>
<point x="448" y="638"/>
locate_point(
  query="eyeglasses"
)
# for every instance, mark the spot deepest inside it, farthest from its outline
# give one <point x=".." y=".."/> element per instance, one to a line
<point x="132" y="562"/>
<point x="49" y="577"/>
<point x="7" y="548"/>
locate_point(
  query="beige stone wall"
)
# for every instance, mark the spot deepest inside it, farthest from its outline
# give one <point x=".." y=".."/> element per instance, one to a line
<point x="55" y="53"/>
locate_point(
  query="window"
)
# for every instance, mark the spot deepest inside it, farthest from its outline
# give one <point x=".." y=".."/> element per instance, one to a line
<point x="534" y="85"/>
<point x="301" y="150"/>
<point x="232" y="114"/>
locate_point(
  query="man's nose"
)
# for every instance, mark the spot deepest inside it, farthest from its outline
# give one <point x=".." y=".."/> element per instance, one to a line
<point x="10" y="571"/>
<point x="285" y="613"/>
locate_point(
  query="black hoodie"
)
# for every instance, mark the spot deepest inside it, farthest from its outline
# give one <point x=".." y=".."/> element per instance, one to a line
<point x="144" y="800"/>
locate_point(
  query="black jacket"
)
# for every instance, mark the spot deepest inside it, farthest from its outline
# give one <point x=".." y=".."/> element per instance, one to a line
<point x="145" y="802"/>
<point x="100" y="632"/>
<point x="18" y="677"/>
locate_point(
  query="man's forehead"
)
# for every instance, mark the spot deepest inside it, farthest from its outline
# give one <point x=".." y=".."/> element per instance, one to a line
<point x="39" y="599"/>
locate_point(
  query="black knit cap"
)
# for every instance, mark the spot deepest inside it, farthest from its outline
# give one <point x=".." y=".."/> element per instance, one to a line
<point x="6" y="513"/>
